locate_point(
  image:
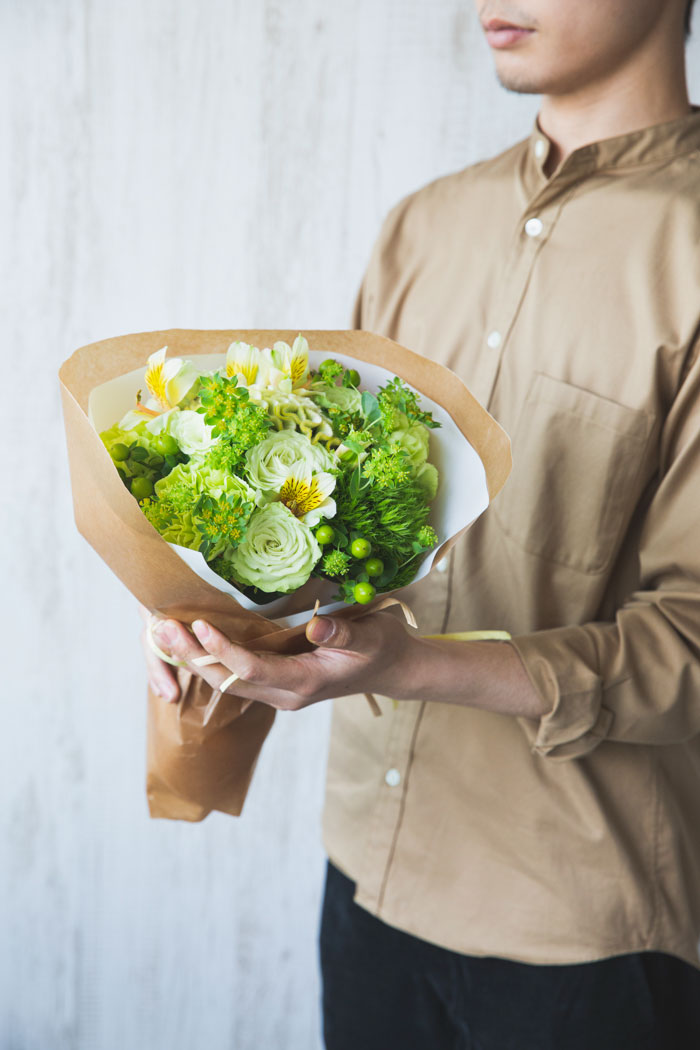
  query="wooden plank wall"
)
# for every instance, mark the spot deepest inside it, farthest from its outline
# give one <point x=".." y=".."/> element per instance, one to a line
<point x="166" y="163"/>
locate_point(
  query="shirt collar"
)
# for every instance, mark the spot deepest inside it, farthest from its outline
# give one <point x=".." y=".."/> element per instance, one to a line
<point x="649" y="145"/>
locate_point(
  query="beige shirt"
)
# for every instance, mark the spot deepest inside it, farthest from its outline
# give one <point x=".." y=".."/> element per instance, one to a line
<point x="570" y="306"/>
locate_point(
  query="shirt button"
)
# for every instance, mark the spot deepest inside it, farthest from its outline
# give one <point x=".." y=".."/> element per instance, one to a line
<point x="540" y="149"/>
<point x="392" y="777"/>
<point x="533" y="227"/>
<point x="494" y="340"/>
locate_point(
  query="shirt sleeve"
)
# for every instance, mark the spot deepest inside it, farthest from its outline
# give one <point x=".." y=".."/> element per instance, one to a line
<point x="637" y="679"/>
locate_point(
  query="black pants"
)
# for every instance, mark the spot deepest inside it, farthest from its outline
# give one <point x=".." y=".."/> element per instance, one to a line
<point x="386" y="990"/>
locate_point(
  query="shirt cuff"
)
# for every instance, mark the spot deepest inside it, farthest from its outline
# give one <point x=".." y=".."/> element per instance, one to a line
<point x="576" y="720"/>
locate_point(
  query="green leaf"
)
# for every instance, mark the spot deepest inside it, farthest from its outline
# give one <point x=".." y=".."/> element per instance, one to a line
<point x="370" y="407"/>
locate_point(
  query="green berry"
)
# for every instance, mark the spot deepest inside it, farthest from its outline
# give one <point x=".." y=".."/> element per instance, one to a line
<point x="138" y="453"/>
<point x="363" y="593"/>
<point x="360" y="548"/>
<point x="374" y="566"/>
<point x="169" y="444"/>
<point x="353" y="376"/>
<point x="325" y="534"/>
<point x="141" y="487"/>
<point x="119" y="452"/>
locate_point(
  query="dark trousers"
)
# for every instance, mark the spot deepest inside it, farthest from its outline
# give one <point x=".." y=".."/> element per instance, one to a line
<point x="384" y="989"/>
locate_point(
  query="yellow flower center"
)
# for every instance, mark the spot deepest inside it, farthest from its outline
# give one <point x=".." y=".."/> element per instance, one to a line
<point x="301" y="496"/>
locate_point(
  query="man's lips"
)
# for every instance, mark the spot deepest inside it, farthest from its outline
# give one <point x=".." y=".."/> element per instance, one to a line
<point x="500" y="34"/>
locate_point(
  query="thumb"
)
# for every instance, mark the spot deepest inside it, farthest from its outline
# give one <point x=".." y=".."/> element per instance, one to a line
<point x="331" y="633"/>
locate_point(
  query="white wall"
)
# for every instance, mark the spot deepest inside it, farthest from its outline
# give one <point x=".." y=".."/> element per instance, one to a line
<point x="163" y="163"/>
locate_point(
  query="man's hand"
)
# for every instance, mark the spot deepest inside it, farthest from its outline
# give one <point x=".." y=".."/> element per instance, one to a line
<point x="373" y="654"/>
<point x="161" y="676"/>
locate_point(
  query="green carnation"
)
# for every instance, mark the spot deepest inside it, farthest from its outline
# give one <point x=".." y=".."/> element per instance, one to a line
<point x="414" y="439"/>
<point x="278" y="552"/>
<point x="427" y="477"/>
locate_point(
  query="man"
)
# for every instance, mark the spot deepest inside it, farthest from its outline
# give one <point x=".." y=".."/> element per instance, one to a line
<point x="516" y="849"/>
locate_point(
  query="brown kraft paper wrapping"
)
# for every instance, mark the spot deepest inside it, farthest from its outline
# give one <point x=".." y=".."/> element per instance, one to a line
<point x="201" y="755"/>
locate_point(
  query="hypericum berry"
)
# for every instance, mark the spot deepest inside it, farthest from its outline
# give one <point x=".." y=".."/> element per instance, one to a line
<point x="360" y="548"/>
<point x="169" y="444"/>
<point x="363" y="593"/>
<point x="324" y="534"/>
<point x="141" y="487"/>
<point x="119" y="452"/>
<point x="374" y="566"/>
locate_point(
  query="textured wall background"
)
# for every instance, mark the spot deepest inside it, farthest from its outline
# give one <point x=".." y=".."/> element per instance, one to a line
<point x="166" y="163"/>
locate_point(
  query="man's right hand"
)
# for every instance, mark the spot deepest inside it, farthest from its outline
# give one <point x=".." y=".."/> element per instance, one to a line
<point x="161" y="676"/>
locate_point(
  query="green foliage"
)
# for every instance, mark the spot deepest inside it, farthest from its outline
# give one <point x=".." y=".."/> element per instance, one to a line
<point x="227" y="407"/>
<point x="387" y="467"/>
<point x="335" y="563"/>
<point x="329" y="370"/>
<point x="397" y="397"/>
<point x="427" y="537"/>
<point x="220" y="521"/>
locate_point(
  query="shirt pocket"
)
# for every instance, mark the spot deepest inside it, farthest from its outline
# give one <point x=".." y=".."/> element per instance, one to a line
<point x="577" y="474"/>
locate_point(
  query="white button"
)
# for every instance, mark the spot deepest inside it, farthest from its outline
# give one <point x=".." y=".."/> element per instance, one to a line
<point x="392" y="777"/>
<point x="540" y="149"/>
<point x="533" y="227"/>
<point x="442" y="565"/>
<point x="494" y="340"/>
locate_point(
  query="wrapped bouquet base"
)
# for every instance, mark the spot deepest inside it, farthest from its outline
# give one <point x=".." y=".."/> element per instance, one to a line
<point x="201" y="755"/>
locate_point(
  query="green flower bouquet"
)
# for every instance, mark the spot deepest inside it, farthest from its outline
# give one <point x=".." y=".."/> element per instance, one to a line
<point x="269" y="469"/>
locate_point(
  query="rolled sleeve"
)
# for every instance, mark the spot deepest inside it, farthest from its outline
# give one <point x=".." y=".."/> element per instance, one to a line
<point x="576" y="720"/>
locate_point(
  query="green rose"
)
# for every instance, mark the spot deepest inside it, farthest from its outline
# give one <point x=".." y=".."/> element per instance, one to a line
<point x="269" y="464"/>
<point x="346" y="398"/>
<point x="278" y="552"/>
<point x="415" y="440"/>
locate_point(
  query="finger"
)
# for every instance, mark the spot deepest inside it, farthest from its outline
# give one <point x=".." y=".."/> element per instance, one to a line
<point x="161" y="677"/>
<point x="364" y="635"/>
<point x="268" y="671"/>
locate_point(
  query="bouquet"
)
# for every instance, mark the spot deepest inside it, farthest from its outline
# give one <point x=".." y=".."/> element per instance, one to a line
<point x="276" y="472"/>
<point x="244" y="477"/>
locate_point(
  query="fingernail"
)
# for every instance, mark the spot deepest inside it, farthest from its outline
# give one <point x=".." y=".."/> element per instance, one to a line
<point x="201" y="629"/>
<point x="321" y="629"/>
<point x="169" y="695"/>
<point x="164" y="633"/>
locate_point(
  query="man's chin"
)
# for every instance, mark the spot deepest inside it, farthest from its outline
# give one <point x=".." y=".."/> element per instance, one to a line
<point x="520" y="82"/>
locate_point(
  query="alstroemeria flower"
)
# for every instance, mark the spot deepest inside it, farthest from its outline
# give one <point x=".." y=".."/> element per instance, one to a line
<point x="292" y="361"/>
<point x="168" y="381"/>
<point x="246" y="361"/>
<point x="308" y="495"/>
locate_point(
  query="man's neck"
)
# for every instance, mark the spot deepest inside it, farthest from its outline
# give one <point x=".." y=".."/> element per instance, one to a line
<point x="628" y="100"/>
